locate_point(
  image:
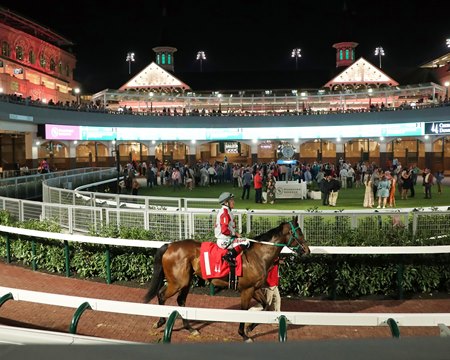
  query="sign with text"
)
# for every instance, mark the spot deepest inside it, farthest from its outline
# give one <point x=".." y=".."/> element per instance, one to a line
<point x="437" y="128"/>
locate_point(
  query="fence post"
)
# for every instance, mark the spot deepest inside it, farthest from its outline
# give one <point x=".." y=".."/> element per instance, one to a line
<point x="282" y="330"/>
<point x="332" y="275"/>
<point x="8" y="248"/>
<point x="108" y="265"/>
<point x="33" y="254"/>
<point x="67" y="257"/>
<point x="76" y="317"/>
<point x="169" y="327"/>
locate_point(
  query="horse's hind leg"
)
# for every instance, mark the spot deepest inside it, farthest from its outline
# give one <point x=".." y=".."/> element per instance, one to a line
<point x="181" y="301"/>
<point x="166" y="292"/>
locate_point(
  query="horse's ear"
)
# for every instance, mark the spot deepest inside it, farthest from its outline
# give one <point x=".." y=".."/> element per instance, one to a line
<point x="295" y="219"/>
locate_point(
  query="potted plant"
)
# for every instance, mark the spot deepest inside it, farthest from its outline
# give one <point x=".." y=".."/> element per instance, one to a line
<point x="314" y="191"/>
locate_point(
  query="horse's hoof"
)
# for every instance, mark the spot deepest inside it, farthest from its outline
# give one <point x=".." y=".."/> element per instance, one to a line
<point x="195" y="333"/>
<point x="249" y="340"/>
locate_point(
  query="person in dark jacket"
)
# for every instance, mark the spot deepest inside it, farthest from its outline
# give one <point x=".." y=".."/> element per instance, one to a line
<point x="335" y="186"/>
<point x="325" y="189"/>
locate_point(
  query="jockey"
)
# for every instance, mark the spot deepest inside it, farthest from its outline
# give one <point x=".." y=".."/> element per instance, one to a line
<point x="225" y="231"/>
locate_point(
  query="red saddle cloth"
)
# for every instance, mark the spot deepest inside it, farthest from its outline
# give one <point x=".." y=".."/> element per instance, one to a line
<point x="212" y="264"/>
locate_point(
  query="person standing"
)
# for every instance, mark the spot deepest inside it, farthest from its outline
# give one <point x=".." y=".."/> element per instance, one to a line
<point x="270" y="188"/>
<point x="246" y="183"/>
<point x="135" y="187"/>
<point x="439" y="178"/>
<point x="325" y="189"/>
<point x="428" y="180"/>
<point x="225" y="230"/>
<point x="258" y="185"/>
<point x="335" y="186"/>
<point x="393" y="187"/>
<point x="383" y="191"/>
<point x="368" y="194"/>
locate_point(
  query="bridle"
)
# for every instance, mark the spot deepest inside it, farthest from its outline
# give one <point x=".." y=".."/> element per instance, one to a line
<point x="294" y="237"/>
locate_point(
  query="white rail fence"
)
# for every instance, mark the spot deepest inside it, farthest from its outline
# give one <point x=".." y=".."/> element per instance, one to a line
<point x="235" y="316"/>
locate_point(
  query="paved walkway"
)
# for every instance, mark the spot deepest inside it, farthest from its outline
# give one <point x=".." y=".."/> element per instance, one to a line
<point x="139" y="328"/>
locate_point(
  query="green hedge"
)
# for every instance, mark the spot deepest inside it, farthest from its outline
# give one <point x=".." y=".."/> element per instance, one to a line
<point x="344" y="276"/>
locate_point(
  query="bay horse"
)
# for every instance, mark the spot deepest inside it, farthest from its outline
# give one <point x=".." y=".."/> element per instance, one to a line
<point x="177" y="262"/>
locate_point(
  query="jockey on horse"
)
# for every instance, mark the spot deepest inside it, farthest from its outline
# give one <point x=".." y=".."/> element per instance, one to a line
<point x="225" y="230"/>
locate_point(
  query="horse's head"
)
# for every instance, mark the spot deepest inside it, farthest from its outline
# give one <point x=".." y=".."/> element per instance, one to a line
<point x="296" y="241"/>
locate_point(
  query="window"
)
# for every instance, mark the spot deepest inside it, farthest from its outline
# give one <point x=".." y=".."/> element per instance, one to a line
<point x="60" y="67"/>
<point x="169" y="58"/>
<point x="42" y="60"/>
<point x="163" y="59"/>
<point x="19" y="53"/>
<point x="52" y="65"/>
<point x="346" y="54"/>
<point x="340" y="55"/>
<point x="67" y="70"/>
<point x="31" y="57"/>
<point x="158" y="60"/>
<point x="5" y="49"/>
<point x="353" y="54"/>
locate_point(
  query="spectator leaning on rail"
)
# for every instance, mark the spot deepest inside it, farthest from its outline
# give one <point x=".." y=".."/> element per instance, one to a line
<point x="225" y="230"/>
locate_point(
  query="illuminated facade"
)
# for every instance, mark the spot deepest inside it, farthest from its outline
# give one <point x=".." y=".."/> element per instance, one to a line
<point x="33" y="62"/>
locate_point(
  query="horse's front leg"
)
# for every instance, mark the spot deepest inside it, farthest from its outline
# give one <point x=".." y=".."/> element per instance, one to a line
<point x="246" y="296"/>
<point x="181" y="301"/>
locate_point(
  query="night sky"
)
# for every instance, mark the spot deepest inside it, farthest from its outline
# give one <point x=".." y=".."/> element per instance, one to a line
<point x="238" y="36"/>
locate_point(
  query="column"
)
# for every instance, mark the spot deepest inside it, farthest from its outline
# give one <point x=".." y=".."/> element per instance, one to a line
<point x="254" y="147"/>
<point x="72" y="154"/>
<point x="192" y="156"/>
<point x="384" y="156"/>
<point x="429" y="156"/>
<point x="339" y="151"/>
<point x="31" y="150"/>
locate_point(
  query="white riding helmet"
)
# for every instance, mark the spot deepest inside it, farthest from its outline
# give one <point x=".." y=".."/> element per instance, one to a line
<point x="224" y="197"/>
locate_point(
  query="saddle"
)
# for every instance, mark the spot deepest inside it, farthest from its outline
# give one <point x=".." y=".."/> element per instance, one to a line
<point x="213" y="266"/>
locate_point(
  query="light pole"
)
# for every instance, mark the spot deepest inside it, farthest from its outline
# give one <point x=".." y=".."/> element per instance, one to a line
<point x="446" y="90"/>
<point x="129" y="60"/>
<point x="296" y="53"/>
<point x="201" y="56"/>
<point x="379" y="51"/>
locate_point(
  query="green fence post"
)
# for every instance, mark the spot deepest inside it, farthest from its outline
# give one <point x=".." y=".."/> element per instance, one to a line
<point x="67" y="256"/>
<point x="332" y="274"/>
<point x="8" y="249"/>
<point x="395" y="331"/>
<point x="108" y="265"/>
<point x="5" y="298"/>
<point x="169" y="327"/>
<point x="33" y="253"/>
<point x="76" y="317"/>
<point x="212" y="291"/>
<point x="282" y="330"/>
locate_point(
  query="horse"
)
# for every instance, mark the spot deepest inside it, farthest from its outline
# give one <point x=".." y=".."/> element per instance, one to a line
<point x="178" y="261"/>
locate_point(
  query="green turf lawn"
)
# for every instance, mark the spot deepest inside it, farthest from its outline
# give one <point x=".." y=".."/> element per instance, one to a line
<point x="348" y="198"/>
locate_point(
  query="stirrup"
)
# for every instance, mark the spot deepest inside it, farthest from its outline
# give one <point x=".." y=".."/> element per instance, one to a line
<point x="229" y="259"/>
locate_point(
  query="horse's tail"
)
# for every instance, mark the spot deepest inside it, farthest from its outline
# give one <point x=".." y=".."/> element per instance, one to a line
<point x="157" y="281"/>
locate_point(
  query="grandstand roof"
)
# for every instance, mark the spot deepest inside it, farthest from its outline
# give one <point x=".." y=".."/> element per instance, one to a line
<point x="154" y="77"/>
<point x="28" y="26"/>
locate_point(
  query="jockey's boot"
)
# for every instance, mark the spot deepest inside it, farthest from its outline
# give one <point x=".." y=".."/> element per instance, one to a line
<point x="230" y="256"/>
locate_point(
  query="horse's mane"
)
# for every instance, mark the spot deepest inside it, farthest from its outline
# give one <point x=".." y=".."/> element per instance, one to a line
<point x="271" y="233"/>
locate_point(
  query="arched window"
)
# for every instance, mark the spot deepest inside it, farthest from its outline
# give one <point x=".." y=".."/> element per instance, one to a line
<point x="340" y="55"/>
<point x="158" y="59"/>
<point x="6" y="51"/>
<point x="52" y="65"/>
<point x="19" y="52"/>
<point x="169" y="59"/>
<point x="60" y="67"/>
<point x="163" y="59"/>
<point x="67" y="70"/>
<point x="347" y="54"/>
<point x="31" y="57"/>
<point x="42" y="60"/>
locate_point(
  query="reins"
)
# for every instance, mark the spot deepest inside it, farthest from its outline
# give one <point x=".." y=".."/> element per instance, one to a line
<point x="291" y="239"/>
